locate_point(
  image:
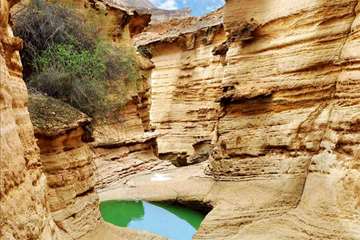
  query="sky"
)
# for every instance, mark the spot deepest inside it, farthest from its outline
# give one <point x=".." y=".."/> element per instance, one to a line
<point x="198" y="7"/>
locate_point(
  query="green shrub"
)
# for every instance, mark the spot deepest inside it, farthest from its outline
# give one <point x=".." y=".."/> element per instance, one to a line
<point x="64" y="59"/>
<point x="77" y="62"/>
<point x="74" y="76"/>
<point x="41" y="25"/>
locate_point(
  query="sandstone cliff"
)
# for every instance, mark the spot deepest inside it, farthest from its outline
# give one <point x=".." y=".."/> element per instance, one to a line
<point x="124" y="143"/>
<point x="290" y="110"/>
<point x="285" y="123"/>
<point x="47" y="194"/>
<point x="145" y="6"/>
<point x="272" y="93"/>
<point x="185" y="84"/>
<point x="68" y="165"/>
<point x="23" y="205"/>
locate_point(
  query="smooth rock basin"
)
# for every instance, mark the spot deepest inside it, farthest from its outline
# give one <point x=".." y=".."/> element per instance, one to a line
<point x="168" y="220"/>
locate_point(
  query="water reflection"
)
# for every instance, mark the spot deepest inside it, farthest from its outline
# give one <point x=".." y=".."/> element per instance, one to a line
<point x="171" y="221"/>
<point x="188" y="216"/>
<point x="121" y="213"/>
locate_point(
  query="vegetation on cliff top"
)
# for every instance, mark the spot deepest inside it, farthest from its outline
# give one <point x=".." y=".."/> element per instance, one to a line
<point x="51" y="116"/>
<point x="64" y="57"/>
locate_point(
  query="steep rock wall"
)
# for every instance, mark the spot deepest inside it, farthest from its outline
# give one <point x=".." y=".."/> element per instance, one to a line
<point x="126" y="146"/>
<point x="52" y="195"/>
<point x="124" y="143"/>
<point x="130" y="122"/>
<point x="68" y="164"/>
<point x="185" y="85"/>
<point x="23" y="205"/>
<point x="120" y="140"/>
<point x="291" y="110"/>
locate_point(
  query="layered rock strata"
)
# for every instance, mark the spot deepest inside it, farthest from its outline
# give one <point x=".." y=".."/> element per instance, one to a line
<point x="185" y="85"/>
<point x="145" y="6"/>
<point x="116" y="161"/>
<point x="278" y="107"/>
<point x="128" y="123"/>
<point x="285" y="159"/>
<point x="124" y="135"/>
<point x="124" y="144"/>
<point x="67" y="161"/>
<point x="23" y="205"/>
<point x="291" y="111"/>
<point x="49" y="196"/>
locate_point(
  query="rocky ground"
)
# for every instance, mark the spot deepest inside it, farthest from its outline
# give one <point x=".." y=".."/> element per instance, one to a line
<point x="190" y="186"/>
<point x="110" y="232"/>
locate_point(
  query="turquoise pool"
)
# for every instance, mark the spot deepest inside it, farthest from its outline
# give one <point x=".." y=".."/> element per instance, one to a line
<point x="172" y="221"/>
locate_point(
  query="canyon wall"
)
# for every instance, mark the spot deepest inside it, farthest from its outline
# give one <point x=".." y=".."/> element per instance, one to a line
<point x="49" y="194"/>
<point x="126" y="146"/>
<point x="124" y="143"/>
<point x="290" y="109"/>
<point x="46" y="194"/>
<point x="68" y="164"/>
<point x="185" y="85"/>
<point x="48" y="184"/>
<point x="279" y="105"/>
<point x="271" y="97"/>
<point x="23" y="205"/>
<point x="145" y="6"/>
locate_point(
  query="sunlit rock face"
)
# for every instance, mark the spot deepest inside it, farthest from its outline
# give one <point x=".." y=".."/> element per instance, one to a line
<point x="142" y="6"/>
<point x="128" y="123"/>
<point x="291" y="110"/>
<point x="185" y="85"/>
<point x="23" y="206"/>
<point x="68" y="165"/>
<point x="123" y="143"/>
<point x="126" y="146"/>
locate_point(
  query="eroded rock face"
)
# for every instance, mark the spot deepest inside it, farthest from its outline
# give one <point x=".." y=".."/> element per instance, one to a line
<point x="129" y="123"/>
<point x="286" y="154"/>
<point x="142" y="6"/>
<point x="68" y="165"/>
<point x="185" y="85"/>
<point x="123" y="141"/>
<point x="291" y="110"/>
<point x="126" y="146"/>
<point x="23" y="206"/>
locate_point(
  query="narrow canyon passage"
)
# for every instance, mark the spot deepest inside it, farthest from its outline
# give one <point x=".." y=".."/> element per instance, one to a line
<point x="240" y="124"/>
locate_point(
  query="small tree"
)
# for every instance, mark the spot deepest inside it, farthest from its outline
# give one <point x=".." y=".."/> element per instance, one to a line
<point x="42" y="25"/>
<point x="64" y="58"/>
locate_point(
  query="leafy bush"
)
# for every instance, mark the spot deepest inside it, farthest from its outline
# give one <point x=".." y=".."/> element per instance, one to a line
<point x="74" y="76"/>
<point x="41" y="25"/>
<point x="63" y="58"/>
<point x="67" y="58"/>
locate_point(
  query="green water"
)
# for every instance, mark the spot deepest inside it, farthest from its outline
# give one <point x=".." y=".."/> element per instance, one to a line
<point x="172" y="221"/>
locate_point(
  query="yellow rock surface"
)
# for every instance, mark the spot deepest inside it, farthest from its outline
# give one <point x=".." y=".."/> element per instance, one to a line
<point x="291" y="109"/>
<point x="185" y="85"/>
<point x="23" y="206"/>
